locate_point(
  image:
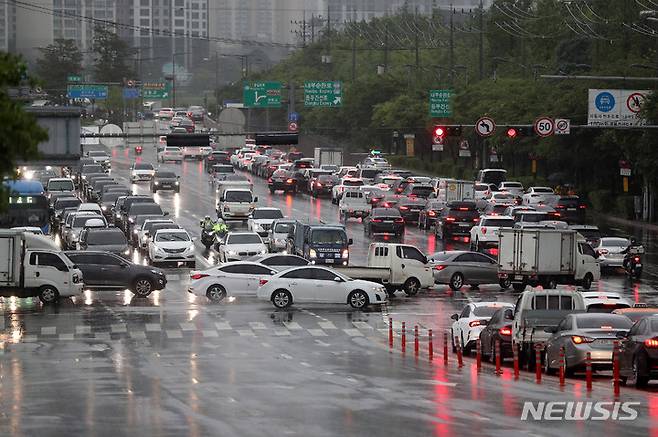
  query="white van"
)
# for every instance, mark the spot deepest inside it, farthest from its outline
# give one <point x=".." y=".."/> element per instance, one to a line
<point x="236" y="204"/>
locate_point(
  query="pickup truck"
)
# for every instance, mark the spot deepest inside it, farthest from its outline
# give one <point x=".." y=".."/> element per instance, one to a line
<point x="33" y="265"/>
<point x="353" y="203"/>
<point x="536" y="310"/>
<point x="396" y="266"/>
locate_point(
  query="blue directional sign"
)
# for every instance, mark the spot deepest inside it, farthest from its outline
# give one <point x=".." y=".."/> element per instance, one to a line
<point x="98" y="92"/>
<point x="131" y="93"/>
<point x="293" y="117"/>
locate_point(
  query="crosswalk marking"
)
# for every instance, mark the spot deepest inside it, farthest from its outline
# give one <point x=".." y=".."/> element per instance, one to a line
<point x="48" y="330"/>
<point x="353" y="332"/>
<point x="66" y="336"/>
<point x="153" y="327"/>
<point x="362" y="325"/>
<point x="245" y="332"/>
<point x="119" y="328"/>
<point x="138" y="335"/>
<point x="187" y="326"/>
<point x="223" y="325"/>
<point x="317" y="332"/>
<point x="257" y="326"/>
<point x="81" y="329"/>
<point x="327" y="325"/>
<point x="293" y="326"/>
<point x="281" y="332"/>
<point x="174" y="333"/>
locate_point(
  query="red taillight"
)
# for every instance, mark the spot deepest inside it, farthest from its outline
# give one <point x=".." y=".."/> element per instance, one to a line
<point x="560" y="207"/>
<point x="475" y="323"/>
<point x="262" y="282"/>
<point x="431" y="213"/>
<point x="318" y="184"/>
<point x="463" y="209"/>
<point x="636" y="259"/>
<point x="493" y="251"/>
<point x="399" y="220"/>
<point x="577" y="339"/>
<point x="413" y="195"/>
<point x="376" y="220"/>
<point x="398" y="190"/>
<point x="651" y="342"/>
<point x="404" y="208"/>
<point x="290" y="181"/>
<point x="269" y="181"/>
<point x="375" y="199"/>
<point x="505" y="330"/>
<point x="583" y="207"/>
<point x="450" y="219"/>
<point x="439" y="267"/>
<point x="198" y="276"/>
<point x="477" y="219"/>
<point x="484" y="230"/>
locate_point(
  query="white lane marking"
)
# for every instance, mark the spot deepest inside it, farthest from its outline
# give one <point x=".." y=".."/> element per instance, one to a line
<point x="317" y="332"/>
<point x="266" y="345"/>
<point x="187" y="326"/>
<point x="49" y="330"/>
<point x="322" y="343"/>
<point x="209" y="333"/>
<point x="286" y="356"/>
<point x="173" y="277"/>
<point x="29" y="338"/>
<point x="362" y="325"/>
<point x="327" y="325"/>
<point x="281" y="332"/>
<point x="153" y="327"/>
<point x="83" y="329"/>
<point x="305" y="364"/>
<point x="174" y="333"/>
<point x="119" y="327"/>
<point x="257" y="326"/>
<point x="223" y="326"/>
<point x="294" y="326"/>
<point x="353" y="332"/>
<point x="66" y="336"/>
<point x="102" y="336"/>
<point x="245" y="332"/>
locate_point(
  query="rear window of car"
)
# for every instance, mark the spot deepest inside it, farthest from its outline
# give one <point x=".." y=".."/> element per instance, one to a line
<point x="369" y="173"/>
<point x="501" y="223"/>
<point x="612" y="242"/>
<point x="512" y="185"/>
<point x="114" y="236"/>
<point x="422" y="191"/>
<point x="303" y="164"/>
<point x="543" y="190"/>
<point x="463" y="214"/>
<point x="266" y="214"/>
<point x="353" y="183"/>
<point x="482" y="311"/>
<point x="612" y="322"/>
<point x="569" y="203"/>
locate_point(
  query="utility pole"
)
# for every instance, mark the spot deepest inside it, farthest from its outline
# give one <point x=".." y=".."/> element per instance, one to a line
<point x="312" y="28"/>
<point x="385" y="50"/>
<point x="452" y="46"/>
<point x="481" y="40"/>
<point x="173" y="79"/>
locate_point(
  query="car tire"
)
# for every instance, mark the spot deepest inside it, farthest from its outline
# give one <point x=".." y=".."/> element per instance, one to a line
<point x="216" y="293"/>
<point x="639" y="365"/>
<point x="587" y="281"/>
<point x="456" y="281"/>
<point x="48" y="294"/>
<point x="518" y="287"/>
<point x="505" y="283"/>
<point x="358" y="299"/>
<point x="281" y="298"/>
<point x="154" y="190"/>
<point x="411" y="286"/>
<point x="142" y="287"/>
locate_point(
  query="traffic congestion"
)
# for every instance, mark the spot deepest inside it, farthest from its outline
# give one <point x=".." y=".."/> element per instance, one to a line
<point x="263" y="231"/>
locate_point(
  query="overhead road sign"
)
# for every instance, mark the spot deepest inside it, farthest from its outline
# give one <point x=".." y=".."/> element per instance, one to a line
<point x="98" y="92"/>
<point x="130" y="93"/>
<point x="277" y="138"/>
<point x="186" y="140"/>
<point x="485" y="126"/>
<point x="616" y="108"/>
<point x="441" y="103"/>
<point x="262" y="94"/>
<point x="323" y="93"/>
<point x="74" y="78"/>
<point x="544" y="126"/>
<point x="155" y="90"/>
<point x="562" y="126"/>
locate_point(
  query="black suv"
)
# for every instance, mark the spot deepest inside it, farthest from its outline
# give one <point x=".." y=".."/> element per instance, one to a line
<point x="387" y="221"/>
<point x="165" y="180"/>
<point x="571" y="209"/>
<point x="106" y="271"/>
<point x="456" y="221"/>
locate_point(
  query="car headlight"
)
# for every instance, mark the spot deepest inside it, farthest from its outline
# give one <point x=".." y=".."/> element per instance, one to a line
<point x="118" y="215"/>
<point x="232" y="252"/>
<point x="263" y="252"/>
<point x="312" y="253"/>
<point x="190" y="248"/>
<point x="104" y="208"/>
<point x="126" y="252"/>
<point x="177" y="183"/>
<point x="156" y="183"/>
<point x="135" y="231"/>
<point x="346" y="253"/>
<point x="84" y="177"/>
<point x="159" y="249"/>
<point x="131" y="219"/>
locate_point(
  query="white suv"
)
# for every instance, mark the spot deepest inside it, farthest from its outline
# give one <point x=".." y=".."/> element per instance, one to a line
<point x="484" y="235"/>
<point x="170" y="153"/>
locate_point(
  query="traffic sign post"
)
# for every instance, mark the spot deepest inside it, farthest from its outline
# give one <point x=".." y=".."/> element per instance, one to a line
<point x="544" y="126"/>
<point x="73" y="78"/>
<point x="485" y="126"/>
<point x="98" y="92"/>
<point x="562" y="126"/>
<point x="293" y="116"/>
<point x="440" y="103"/>
<point x="262" y="94"/>
<point x="320" y="93"/>
<point x="155" y="90"/>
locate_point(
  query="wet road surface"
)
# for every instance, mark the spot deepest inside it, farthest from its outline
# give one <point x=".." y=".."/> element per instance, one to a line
<point x="107" y="363"/>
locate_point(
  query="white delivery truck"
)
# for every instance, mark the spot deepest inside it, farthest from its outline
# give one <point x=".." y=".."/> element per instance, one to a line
<point x="236" y="204"/>
<point x="396" y="266"/>
<point x="33" y="265"/>
<point x="546" y="257"/>
<point x="323" y="156"/>
<point x="453" y="190"/>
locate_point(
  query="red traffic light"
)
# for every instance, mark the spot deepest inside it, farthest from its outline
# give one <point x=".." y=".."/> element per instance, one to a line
<point x="439" y="131"/>
<point x="512" y="133"/>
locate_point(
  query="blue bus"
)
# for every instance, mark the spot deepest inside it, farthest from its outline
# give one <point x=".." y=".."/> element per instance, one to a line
<point x="27" y="205"/>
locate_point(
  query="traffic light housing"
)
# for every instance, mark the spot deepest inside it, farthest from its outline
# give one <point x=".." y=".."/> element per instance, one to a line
<point x="440" y="132"/>
<point x="513" y="132"/>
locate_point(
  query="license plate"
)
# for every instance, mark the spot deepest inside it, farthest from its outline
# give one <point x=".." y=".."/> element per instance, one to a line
<point x="463" y="225"/>
<point x="638" y="265"/>
<point x="330" y="261"/>
<point x="518" y="278"/>
<point x="388" y="221"/>
<point x="571" y="209"/>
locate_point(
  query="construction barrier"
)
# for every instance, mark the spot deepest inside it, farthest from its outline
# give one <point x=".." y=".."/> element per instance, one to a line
<point x="538" y="363"/>
<point x="430" y="345"/>
<point x="498" y="357"/>
<point x="404" y="337"/>
<point x="390" y="332"/>
<point x="588" y="371"/>
<point x="460" y="360"/>
<point x="478" y="354"/>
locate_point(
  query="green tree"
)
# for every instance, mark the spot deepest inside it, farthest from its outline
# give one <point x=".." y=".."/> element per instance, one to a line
<point x="56" y="63"/>
<point x="112" y="56"/>
<point x="19" y="132"/>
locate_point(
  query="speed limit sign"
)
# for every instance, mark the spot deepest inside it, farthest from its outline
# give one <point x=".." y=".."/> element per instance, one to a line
<point x="544" y="126"/>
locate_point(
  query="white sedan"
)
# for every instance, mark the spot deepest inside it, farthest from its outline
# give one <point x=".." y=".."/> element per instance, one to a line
<point x="231" y="279"/>
<point x="312" y="284"/>
<point x="172" y="245"/>
<point x="472" y="320"/>
<point x="241" y="245"/>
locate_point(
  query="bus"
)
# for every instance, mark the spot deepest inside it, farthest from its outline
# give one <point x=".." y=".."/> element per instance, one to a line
<point x="27" y="206"/>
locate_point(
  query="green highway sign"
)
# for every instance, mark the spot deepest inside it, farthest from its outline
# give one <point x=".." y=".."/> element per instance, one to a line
<point x="323" y="93"/>
<point x="441" y="103"/>
<point x="73" y="78"/>
<point x="155" y="90"/>
<point x="262" y="94"/>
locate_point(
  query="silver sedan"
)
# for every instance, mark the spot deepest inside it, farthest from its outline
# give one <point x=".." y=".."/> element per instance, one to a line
<point x="459" y="267"/>
<point x="581" y="333"/>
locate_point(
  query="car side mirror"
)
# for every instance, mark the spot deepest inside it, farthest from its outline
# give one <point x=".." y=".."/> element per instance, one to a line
<point x="166" y="213"/>
<point x="621" y="334"/>
<point x="455" y="317"/>
<point x="337" y="279"/>
<point x="255" y="199"/>
<point x="550" y="329"/>
<point x="350" y="242"/>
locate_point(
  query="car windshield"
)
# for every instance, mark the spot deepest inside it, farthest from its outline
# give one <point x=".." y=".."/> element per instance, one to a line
<point x="172" y="236"/>
<point x="165" y="175"/>
<point x="79" y="222"/>
<point x="463" y="214"/>
<point x="143" y="166"/>
<point x="145" y="208"/>
<point x="619" y="322"/>
<point x="244" y="239"/>
<point x="283" y="228"/>
<point x="533" y="218"/>
<point x="483" y="311"/>
<point x="353" y="183"/>
<point x="237" y="196"/>
<point x="267" y="214"/>
<point x="88" y="169"/>
<point x="61" y="185"/>
<point x="329" y="236"/>
<point x="106" y="237"/>
<point x="543" y="190"/>
<point x="615" y="242"/>
<point x="369" y="173"/>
